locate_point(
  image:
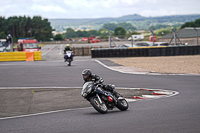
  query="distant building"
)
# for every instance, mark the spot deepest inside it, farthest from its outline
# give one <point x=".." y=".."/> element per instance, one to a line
<point x="188" y="36"/>
<point x="55" y="33"/>
<point x="140" y="31"/>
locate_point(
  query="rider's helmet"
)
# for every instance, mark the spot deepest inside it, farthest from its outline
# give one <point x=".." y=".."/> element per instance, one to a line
<point x="113" y="87"/>
<point x="86" y="74"/>
<point x="67" y="45"/>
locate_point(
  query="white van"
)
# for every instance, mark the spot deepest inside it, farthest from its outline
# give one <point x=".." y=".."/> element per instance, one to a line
<point x="136" y="37"/>
<point x="2" y="48"/>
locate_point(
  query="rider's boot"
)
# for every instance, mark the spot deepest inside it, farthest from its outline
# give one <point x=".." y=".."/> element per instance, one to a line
<point x="116" y="94"/>
<point x="64" y="59"/>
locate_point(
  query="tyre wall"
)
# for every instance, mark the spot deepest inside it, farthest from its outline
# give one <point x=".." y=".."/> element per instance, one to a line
<point x="145" y="51"/>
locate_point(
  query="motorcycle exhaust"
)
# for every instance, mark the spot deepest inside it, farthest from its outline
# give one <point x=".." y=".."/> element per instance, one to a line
<point x="110" y="99"/>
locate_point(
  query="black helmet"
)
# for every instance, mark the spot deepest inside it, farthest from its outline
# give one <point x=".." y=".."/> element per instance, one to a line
<point x="86" y="74"/>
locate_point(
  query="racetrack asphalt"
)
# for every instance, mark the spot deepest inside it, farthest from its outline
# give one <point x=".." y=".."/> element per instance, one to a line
<point x="24" y="100"/>
<point x="32" y="100"/>
<point x="176" y="114"/>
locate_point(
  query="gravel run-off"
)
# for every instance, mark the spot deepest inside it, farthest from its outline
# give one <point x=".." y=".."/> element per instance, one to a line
<point x="163" y="64"/>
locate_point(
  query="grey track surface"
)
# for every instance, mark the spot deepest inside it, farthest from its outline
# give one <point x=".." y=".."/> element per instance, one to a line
<point x="108" y="62"/>
<point x="177" y="114"/>
<point x="32" y="100"/>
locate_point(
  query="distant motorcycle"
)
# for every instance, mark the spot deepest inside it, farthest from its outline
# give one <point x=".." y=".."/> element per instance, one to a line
<point x="68" y="57"/>
<point x="102" y="100"/>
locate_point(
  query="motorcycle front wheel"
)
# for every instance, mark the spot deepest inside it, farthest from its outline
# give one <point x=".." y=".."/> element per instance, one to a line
<point x="69" y="63"/>
<point x="101" y="108"/>
<point x="122" y="104"/>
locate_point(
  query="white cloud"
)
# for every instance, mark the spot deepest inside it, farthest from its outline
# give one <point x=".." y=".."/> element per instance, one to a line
<point x="69" y="2"/>
<point x="97" y="8"/>
<point x="48" y="8"/>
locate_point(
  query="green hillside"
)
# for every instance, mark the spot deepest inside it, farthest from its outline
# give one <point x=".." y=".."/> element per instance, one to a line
<point x="140" y="22"/>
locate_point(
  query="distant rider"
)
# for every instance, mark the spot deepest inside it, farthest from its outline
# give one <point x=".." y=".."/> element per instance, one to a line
<point x="88" y="76"/>
<point x="67" y="48"/>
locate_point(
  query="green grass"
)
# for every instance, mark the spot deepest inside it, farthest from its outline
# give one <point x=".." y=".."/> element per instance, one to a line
<point x="15" y="46"/>
<point x="41" y="45"/>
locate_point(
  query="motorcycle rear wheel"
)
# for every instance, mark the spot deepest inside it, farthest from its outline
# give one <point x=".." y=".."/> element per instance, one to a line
<point x="122" y="105"/>
<point x="101" y="108"/>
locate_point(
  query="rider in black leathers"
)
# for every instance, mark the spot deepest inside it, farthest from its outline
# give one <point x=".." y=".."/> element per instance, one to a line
<point x="88" y="76"/>
<point x="67" y="48"/>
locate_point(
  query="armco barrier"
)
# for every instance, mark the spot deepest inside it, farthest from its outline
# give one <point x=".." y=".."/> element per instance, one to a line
<point x="20" y="56"/>
<point x="145" y="51"/>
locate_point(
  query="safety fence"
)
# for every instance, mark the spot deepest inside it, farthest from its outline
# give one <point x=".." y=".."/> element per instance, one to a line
<point x="145" y="51"/>
<point x="20" y="56"/>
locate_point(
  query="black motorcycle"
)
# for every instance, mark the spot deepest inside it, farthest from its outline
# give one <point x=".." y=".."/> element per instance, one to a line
<point x="102" y="100"/>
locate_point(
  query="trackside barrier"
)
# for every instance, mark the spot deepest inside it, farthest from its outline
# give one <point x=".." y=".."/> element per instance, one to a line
<point x="20" y="56"/>
<point x="145" y="51"/>
<point x="29" y="56"/>
<point x="13" y="56"/>
<point x="37" y="55"/>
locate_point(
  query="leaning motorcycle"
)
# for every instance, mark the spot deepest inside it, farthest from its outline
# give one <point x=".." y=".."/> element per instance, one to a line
<point x="68" y="57"/>
<point x="102" y="100"/>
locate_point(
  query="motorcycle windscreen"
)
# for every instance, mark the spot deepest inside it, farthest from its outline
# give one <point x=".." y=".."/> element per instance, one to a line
<point x="87" y="88"/>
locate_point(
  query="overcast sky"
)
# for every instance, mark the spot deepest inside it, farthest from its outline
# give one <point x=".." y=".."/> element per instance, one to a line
<point x="97" y="8"/>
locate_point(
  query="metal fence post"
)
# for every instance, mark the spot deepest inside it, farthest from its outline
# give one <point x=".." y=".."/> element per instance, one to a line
<point x="174" y="36"/>
<point x="109" y="39"/>
<point x="153" y="36"/>
<point x="131" y="38"/>
<point x="197" y="34"/>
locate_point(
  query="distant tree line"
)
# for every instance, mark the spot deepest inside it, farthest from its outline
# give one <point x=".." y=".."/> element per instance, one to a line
<point x="166" y="30"/>
<point x="26" y="27"/>
<point x="195" y="23"/>
<point x="119" y="30"/>
<point x="40" y="29"/>
<point x="142" y="23"/>
<point x="158" y="26"/>
<point x="112" y="26"/>
<point x="70" y="33"/>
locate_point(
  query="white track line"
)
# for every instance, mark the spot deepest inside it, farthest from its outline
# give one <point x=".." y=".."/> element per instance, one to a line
<point x="48" y="50"/>
<point x="60" y="49"/>
<point x="48" y="87"/>
<point x="129" y="100"/>
<point x="42" y="113"/>
<point x="108" y="66"/>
